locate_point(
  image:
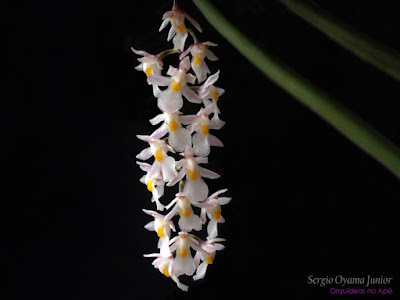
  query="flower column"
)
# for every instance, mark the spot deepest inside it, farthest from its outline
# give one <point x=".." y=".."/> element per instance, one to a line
<point x="189" y="135"/>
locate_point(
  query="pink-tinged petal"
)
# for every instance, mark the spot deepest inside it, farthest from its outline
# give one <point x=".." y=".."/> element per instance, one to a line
<point x="144" y="166"/>
<point x="180" y="39"/>
<point x="200" y="71"/>
<point x="221" y="219"/>
<point x="178" y="178"/>
<point x="171" y="203"/>
<point x="168" y="168"/>
<point x="185" y="63"/>
<point x="139" y="52"/>
<point x="196" y="190"/>
<point x="210" y="80"/>
<point x="163" y="25"/>
<point x="197" y="259"/>
<point x="224" y="200"/>
<point x="167" y="14"/>
<point x="156" y="90"/>
<point x="219" y="247"/>
<point x="201" y="160"/>
<point x="145" y="154"/>
<point x="160" y="132"/>
<point x="218" y="193"/>
<point x="220" y="91"/>
<point x="190" y="78"/>
<point x="207" y="173"/>
<point x="139" y="67"/>
<point x="172" y="213"/>
<point x="152" y="213"/>
<point x="149" y="226"/>
<point x="188" y="119"/>
<point x="201" y="271"/>
<point x="208" y="43"/>
<point x="159" y="80"/>
<point x="172" y="71"/>
<point x="194" y="22"/>
<point x="203" y="216"/>
<point x="170" y="101"/>
<point x="214" y="141"/>
<point x="179" y="139"/>
<point x="200" y="144"/>
<point x="144" y="138"/>
<point x="211" y="56"/>
<point x="181" y="163"/>
<point x="212" y="229"/>
<point x="190" y="95"/>
<point x="172" y="226"/>
<point x="171" y="34"/>
<point x="216" y="122"/>
<point x="157" y="119"/>
<point x="186" y="52"/>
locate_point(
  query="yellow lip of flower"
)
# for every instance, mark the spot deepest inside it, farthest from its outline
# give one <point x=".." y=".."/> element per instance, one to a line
<point x="216" y="215"/>
<point x="176" y="86"/>
<point x="209" y="260"/>
<point x="197" y="60"/>
<point x="150" y="185"/>
<point x="159" y="155"/>
<point x="180" y="28"/>
<point x="173" y="126"/>
<point x="160" y="232"/>
<point x="205" y="129"/>
<point x="215" y="95"/>
<point x="184" y="253"/>
<point x="193" y="174"/>
<point x="149" y="71"/>
<point x="186" y="212"/>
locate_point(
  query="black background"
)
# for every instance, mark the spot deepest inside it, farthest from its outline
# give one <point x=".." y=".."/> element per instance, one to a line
<point x="306" y="201"/>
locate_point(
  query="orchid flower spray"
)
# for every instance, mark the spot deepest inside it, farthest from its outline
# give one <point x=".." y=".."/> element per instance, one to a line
<point x="177" y="153"/>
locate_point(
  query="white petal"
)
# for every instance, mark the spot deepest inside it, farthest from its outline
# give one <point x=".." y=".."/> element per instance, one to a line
<point x="190" y="222"/>
<point x="211" y="56"/>
<point x="160" y="132"/>
<point x="214" y="141"/>
<point x="184" y="265"/>
<point x="159" y="80"/>
<point x="200" y="144"/>
<point x="170" y="101"/>
<point x="139" y="52"/>
<point x="163" y="24"/>
<point x="190" y="95"/>
<point x="179" y="139"/>
<point x="178" y="178"/>
<point x="196" y="190"/>
<point x="168" y="168"/>
<point x="207" y="173"/>
<point x="201" y="271"/>
<point x="212" y="229"/>
<point x="157" y="119"/>
<point x="145" y="154"/>
<point x="180" y="39"/>
<point x="172" y="71"/>
<point x="171" y="34"/>
<point x="200" y="71"/>
<point x="180" y="285"/>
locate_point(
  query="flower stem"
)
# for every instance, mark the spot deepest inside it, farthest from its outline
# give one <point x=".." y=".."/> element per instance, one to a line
<point x="346" y="122"/>
<point x="380" y="56"/>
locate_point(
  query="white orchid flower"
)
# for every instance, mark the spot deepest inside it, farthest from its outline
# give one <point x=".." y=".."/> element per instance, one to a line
<point x="178" y="30"/>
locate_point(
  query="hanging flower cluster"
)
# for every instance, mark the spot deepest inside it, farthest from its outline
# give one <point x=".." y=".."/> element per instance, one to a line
<point x="188" y="136"/>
